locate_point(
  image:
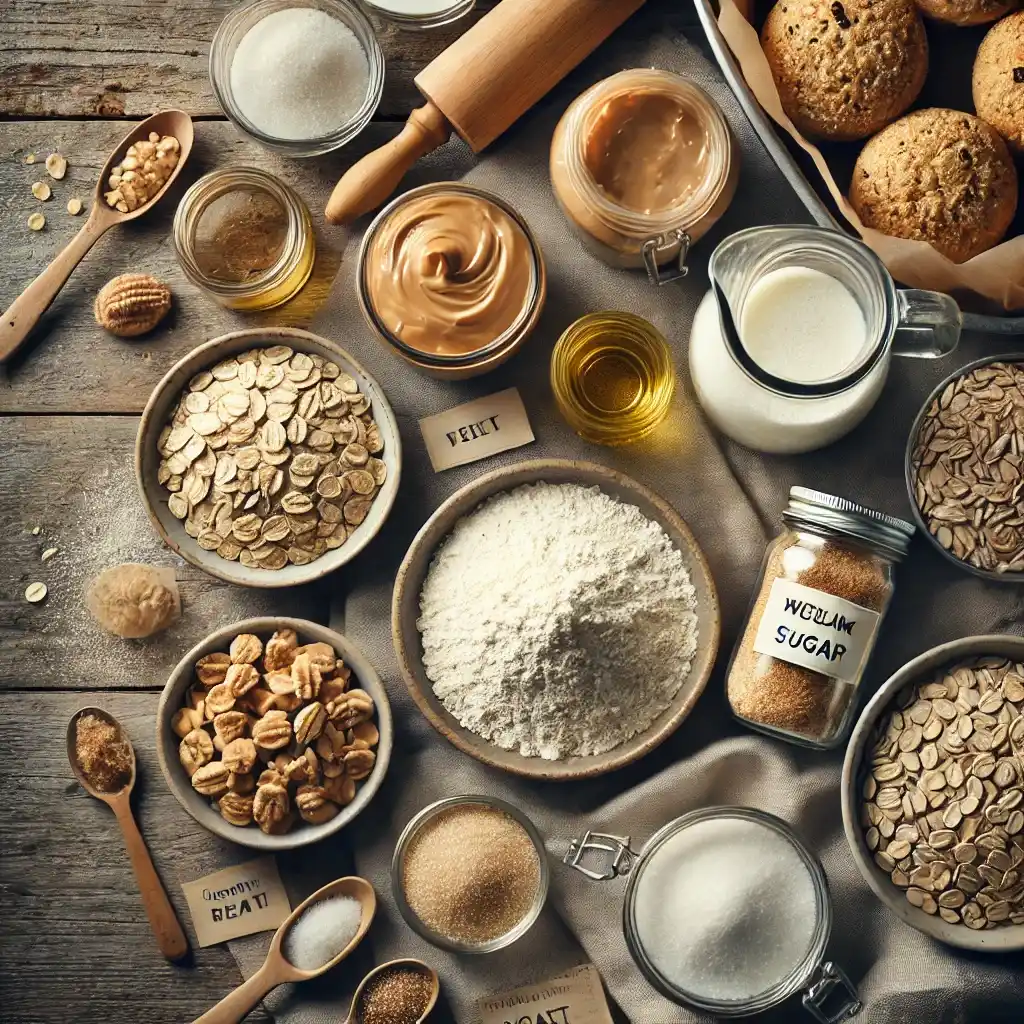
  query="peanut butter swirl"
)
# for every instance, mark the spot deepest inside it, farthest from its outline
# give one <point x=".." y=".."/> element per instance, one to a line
<point x="448" y="273"/>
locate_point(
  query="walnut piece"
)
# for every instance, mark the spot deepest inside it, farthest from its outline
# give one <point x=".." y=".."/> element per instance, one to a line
<point x="132" y="304"/>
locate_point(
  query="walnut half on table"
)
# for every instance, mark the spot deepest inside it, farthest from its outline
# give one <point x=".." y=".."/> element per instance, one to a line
<point x="275" y="734"/>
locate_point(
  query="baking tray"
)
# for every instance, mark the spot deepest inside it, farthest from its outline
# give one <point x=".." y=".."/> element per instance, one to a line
<point x="707" y="13"/>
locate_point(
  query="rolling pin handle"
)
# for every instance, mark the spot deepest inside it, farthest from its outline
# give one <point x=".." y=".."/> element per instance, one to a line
<point x="368" y="183"/>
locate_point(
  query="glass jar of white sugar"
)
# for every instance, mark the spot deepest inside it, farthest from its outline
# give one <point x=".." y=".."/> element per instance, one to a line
<point x="301" y="77"/>
<point x="725" y="911"/>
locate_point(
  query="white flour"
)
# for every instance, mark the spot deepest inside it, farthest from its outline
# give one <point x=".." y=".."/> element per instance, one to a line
<point x="557" y="621"/>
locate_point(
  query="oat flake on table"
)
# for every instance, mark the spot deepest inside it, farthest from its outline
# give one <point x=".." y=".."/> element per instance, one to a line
<point x="557" y="621"/>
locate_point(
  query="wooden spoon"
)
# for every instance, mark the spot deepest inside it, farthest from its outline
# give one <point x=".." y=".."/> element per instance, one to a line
<point x="169" y="935"/>
<point x="355" y="1014"/>
<point x="276" y="969"/>
<point x="28" y="307"/>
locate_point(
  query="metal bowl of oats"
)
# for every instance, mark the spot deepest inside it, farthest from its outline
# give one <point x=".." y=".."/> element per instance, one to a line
<point x="933" y="793"/>
<point x="268" y="458"/>
<point x="965" y="468"/>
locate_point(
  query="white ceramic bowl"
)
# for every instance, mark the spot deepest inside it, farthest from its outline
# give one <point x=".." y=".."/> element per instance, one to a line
<point x="995" y="940"/>
<point x="159" y="408"/>
<point x="173" y="697"/>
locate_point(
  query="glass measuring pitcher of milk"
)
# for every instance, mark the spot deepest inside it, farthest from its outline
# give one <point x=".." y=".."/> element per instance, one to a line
<point x="790" y="348"/>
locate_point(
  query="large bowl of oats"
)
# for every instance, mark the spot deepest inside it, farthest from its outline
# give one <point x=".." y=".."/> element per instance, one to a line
<point x="933" y="793"/>
<point x="268" y="458"/>
<point x="965" y="468"/>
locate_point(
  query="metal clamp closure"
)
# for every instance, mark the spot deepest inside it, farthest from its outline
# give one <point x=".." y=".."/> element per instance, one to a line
<point x="621" y="857"/>
<point x="670" y="240"/>
<point x="822" y="990"/>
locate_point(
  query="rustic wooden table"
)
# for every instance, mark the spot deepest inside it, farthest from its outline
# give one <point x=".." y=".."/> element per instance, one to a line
<point x="74" y="942"/>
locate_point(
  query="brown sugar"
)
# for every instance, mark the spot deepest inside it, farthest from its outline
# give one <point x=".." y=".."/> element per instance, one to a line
<point x="771" y="692"/>
<point x="103" y="754"/>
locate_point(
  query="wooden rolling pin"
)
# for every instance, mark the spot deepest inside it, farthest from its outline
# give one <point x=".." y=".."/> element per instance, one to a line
<point x="480" y="85"/>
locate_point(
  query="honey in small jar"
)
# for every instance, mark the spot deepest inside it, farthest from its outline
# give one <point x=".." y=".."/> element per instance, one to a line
<point x="612" y="376"/>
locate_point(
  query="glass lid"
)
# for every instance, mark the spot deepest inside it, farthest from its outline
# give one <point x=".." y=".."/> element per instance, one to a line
<point x="726" y="910"/>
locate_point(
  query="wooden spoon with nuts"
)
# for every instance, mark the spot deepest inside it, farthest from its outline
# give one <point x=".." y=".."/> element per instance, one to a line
<point x="166" y="927"/>
<point x="24" y="314"/>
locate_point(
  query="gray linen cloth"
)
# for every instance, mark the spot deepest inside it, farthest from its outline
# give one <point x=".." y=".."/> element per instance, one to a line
<point x="732" y="499"/>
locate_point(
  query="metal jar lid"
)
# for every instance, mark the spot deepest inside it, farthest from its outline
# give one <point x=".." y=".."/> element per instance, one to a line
<point x="887" y="534"/>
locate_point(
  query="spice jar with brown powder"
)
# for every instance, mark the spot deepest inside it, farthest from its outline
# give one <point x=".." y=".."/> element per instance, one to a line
<point x="825" y="586"/>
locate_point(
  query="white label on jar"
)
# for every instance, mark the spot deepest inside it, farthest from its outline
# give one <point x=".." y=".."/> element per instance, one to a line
<point x="815" y="630"/>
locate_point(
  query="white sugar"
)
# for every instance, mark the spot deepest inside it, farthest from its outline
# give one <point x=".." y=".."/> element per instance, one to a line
<point x="322" y="932"/>
<point x="725" y="909"/>
<point x="299" y="74"/>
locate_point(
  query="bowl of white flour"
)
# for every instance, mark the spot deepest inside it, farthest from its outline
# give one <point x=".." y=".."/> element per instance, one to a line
<point x="555" y="619"/>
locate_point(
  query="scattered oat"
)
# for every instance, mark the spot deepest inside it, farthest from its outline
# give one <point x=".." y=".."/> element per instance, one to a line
<point x="30" y="158"/>
<point x="56" y="166"/>
<point x="49" y="553"/>
<point x="35" y="531"/>
<point x="36" y="221"/>
<point x="75" y="206"/>
<point x="41" y="190"/>
<point x="35" y="592"/>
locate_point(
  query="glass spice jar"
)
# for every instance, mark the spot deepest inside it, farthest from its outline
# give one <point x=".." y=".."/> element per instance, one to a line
<point x="825" y="585"/>
<point x="245" y="237"/>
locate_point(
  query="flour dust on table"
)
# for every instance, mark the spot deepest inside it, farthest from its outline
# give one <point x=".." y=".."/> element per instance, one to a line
<point x="557" y="621"/>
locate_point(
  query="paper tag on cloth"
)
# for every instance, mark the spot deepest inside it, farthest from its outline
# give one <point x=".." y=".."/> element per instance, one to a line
<point x="237" y="901"/>
<point x="815" y="630"/>
<point x="476" y="430"/>
<point x="573" y="998"/>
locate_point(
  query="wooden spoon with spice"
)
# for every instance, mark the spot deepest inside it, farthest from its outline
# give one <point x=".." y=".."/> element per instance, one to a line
<point x="24" y="314"/>
<point x="278" y="969"/>
<point x="398" y="992"/>
<point x="103" y="760"/>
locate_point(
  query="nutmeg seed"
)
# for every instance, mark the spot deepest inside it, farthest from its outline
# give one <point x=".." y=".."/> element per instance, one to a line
<point x="132" y="304"/>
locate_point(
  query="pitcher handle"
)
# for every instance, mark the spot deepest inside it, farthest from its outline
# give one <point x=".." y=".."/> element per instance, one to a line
<point x="928" y="326"/>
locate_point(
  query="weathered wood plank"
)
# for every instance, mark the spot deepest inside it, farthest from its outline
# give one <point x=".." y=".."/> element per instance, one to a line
<point x="71" y="477"/>
<point x="113" y="375"/>
<point x="75" y="944"/>
<point x="89" y="58"/>
<point x="82" y="58"/>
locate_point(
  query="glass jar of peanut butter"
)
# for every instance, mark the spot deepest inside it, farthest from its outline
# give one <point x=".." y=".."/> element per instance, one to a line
<point x="451" y="278"/>
<point x="643" y="164"/>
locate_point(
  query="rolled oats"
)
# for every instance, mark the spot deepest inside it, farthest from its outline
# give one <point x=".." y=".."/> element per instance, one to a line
<point x="954" y="816"/>
<point x="261" y="457"/>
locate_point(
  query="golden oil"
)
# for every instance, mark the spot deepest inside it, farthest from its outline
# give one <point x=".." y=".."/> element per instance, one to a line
<point x="613" y="377"/>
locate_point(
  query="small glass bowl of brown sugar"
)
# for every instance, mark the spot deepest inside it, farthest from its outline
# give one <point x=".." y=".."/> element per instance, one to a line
<point x="470" y="874"/>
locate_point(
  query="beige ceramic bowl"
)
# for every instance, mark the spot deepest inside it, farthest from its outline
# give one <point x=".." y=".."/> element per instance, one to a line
<point x="409" y="583"/>
<point x="173" y="697"/>
<point x="159" y="408"/>
<point x="996" y="940"/>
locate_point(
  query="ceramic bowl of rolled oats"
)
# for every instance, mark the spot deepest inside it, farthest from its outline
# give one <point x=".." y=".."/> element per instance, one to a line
<point x="965" y="468"/>
<point x="268" y="458"/>
<point x="933" y="793"/>
<point x="274" y="733"/>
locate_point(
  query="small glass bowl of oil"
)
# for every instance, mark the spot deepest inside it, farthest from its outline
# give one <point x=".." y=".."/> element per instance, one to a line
<point x="613" y="377"/>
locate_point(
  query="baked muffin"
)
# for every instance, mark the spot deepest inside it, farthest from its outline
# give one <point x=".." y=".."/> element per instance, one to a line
<point x="966" y="12"/>
<point x="941" y="176"/>
<point x="844" y="69"/>
<point x="998" y="80"/>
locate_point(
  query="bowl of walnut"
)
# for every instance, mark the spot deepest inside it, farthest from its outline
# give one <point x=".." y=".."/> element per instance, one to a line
<point x="268" y="457"/>
<point x="274" y="733"/>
